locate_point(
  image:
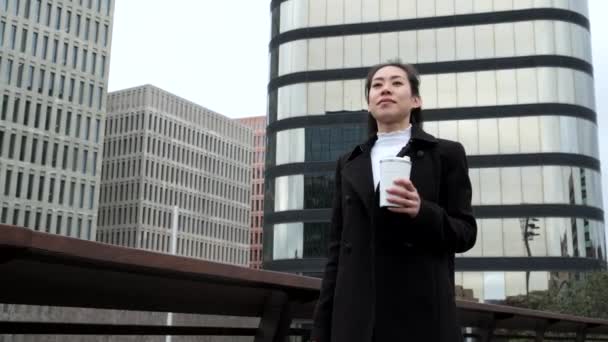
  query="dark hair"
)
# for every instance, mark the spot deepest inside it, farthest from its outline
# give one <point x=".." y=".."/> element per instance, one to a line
<point x="412" y="77"/>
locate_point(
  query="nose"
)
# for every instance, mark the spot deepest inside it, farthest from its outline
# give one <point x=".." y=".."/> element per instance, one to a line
<point x="385" y="90"/>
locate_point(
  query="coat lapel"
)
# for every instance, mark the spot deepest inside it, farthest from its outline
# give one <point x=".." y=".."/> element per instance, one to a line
<point x="358" y="172"/>
<point x="358" y="169"/>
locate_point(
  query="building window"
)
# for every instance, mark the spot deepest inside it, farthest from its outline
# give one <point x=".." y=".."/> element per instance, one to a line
<point x="34" y="150"/>
<point x="51" y="189"/>
<point x="11" y="146"/>
<point x="81" y="198"/>
<point x="40" y="188"/>
<point x="18" y="185"/>
<point x="30" y="186"/>
<point x="71" y="195"/>
<point x="22" y="148"/>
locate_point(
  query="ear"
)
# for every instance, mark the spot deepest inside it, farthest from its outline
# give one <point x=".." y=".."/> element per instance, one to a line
<point x="416" y="101"/>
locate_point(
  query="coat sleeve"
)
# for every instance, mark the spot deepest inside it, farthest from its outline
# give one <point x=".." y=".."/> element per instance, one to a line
<point x="451" y="225"/>
<point x="321" y="330"/>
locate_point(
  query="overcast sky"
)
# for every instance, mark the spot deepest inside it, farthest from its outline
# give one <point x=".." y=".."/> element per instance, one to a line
<point x="215" y="53"/>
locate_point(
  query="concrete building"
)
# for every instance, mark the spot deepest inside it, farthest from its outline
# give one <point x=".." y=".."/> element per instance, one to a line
<point x="54" y="58"/>
<point x="163" y="152"/>
<point x="258" y="124"/>
<point x="511" y="80"/>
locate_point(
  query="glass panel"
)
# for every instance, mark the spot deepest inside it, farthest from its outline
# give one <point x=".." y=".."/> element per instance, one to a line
<point x="544" y="37"/>
<point x="446" y="90"/>
<point x="335" y="12"/>
<point x="494" y="287"/>
<point x="490" y="186"/>
<point x="288" y="242"/>
<point x="335" y="49"/>
<point x="467" y="89"/>
<point x="463" y="6"/>
<point x="506" y="85"/>
<point x="427" y="45"/>
<point x="488" y="136"/>
<point x="317" y="13"/>
<point x="492" y="238"/>
<point x="388" y="9"/>
<point x="425" y="8"/>
<point x="407" y="9"/>
<point x="316" y="54"/>
<point x="484" y="41"/>
<point x="482" y="6"/>
<point x="532" y="184"/>
<point x="371" y="10"/>
<point x="446" y="44"/>
<point x="505" y="34"/>
<point x="289" y="193"/>
<point x="352" y="12"/>
<point x="428" y="91"/>
<point x="513" y="238"/>
<point x="316" y="97"/>
<point x="509" y="135"/>
<point x="299" y="55"/>
<point x="334" y="96"/>
<point x="468" y="136"/>
<point x="524" y="38"/>
<point x="353" y="92"/>
<point x="547" y="85"/>
<point x="408" y="47"/>
<point x="371" y="49"/>
<point x="486" y="88"/>
<point x="511" y="185"/>
<point x="290" y="146"/>
<point x="444" y="7"/>
<point x="298" y="99"/>
<point x="389" y="46"/>
<point x="473" y="281"/>
<point x="352" y="51"/>
<point x="563" y="44"/>
<point x="527" y="87"/>
<point x="529" y="134"/>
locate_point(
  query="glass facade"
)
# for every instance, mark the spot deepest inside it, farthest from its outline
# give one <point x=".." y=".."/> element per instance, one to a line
<point x="517" y="93"/>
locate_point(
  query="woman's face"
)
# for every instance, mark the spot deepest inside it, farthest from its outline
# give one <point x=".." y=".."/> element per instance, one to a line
<point x="390" y="99"/>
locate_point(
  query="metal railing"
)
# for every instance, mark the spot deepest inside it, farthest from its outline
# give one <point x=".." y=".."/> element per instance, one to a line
<point x="43" y="269"/>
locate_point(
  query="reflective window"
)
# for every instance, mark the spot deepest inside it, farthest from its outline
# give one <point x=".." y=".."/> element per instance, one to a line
<point x="289" y="193"/>
<point x="290" y="146"/>
<point x="328" y="143"/>
<point x="288" y="242"/>
<point x="318" y="191"/>
<point x="316" y="239"/>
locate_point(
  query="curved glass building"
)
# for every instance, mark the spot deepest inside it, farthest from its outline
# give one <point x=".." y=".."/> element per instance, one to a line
<point x="512" y="80"/>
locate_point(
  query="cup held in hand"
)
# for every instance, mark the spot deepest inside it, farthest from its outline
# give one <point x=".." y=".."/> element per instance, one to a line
<point x="392" y="168"/>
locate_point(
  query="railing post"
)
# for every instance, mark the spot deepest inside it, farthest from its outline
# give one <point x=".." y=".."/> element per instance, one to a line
<point x="581" y="334"/>
<point x="540" y="331"/>
<point x="274" y="325"/>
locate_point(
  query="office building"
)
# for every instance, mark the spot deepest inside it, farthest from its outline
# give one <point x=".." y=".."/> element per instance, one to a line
<point x="512" y="80"/>
<point x="164" y="154"/>
<point x="258" y="124"/>
<point x="54" y="58"/>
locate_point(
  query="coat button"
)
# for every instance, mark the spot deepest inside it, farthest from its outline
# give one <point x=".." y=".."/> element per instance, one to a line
<point x="420" y="154"/>
<point x="348" y="199"/>
<point x="408" y="245"/>
<point x="348" y="247"/>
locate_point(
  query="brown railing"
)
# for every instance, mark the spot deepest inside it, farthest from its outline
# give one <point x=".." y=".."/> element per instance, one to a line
<point x="50" y="270"/>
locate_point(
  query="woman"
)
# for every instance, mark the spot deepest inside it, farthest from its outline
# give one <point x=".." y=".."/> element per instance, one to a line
<point x="390" y="271"/>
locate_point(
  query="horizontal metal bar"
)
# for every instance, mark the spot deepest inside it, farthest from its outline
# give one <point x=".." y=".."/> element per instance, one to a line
<point x="53" y="328"/>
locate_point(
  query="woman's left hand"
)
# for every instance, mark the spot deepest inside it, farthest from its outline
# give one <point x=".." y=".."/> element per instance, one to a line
<point x="405" y="195"/>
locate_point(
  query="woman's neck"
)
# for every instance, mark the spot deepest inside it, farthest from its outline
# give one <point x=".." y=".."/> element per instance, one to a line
<point x="393" y="127"/>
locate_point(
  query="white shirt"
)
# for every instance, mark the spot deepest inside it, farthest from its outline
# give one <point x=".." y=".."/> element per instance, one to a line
<point x="388" y="145"/>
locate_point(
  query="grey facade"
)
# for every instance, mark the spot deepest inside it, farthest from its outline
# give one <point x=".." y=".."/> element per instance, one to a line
<point x="54" y="58"/>
<point x="162" y="152"/>
<point x="511" y="80"/>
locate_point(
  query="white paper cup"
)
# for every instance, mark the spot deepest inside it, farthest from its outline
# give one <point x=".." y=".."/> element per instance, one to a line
<point x="392" y="168"/>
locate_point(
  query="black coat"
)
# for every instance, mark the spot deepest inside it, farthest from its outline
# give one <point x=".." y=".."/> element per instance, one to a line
<point x="390" y="277"/>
